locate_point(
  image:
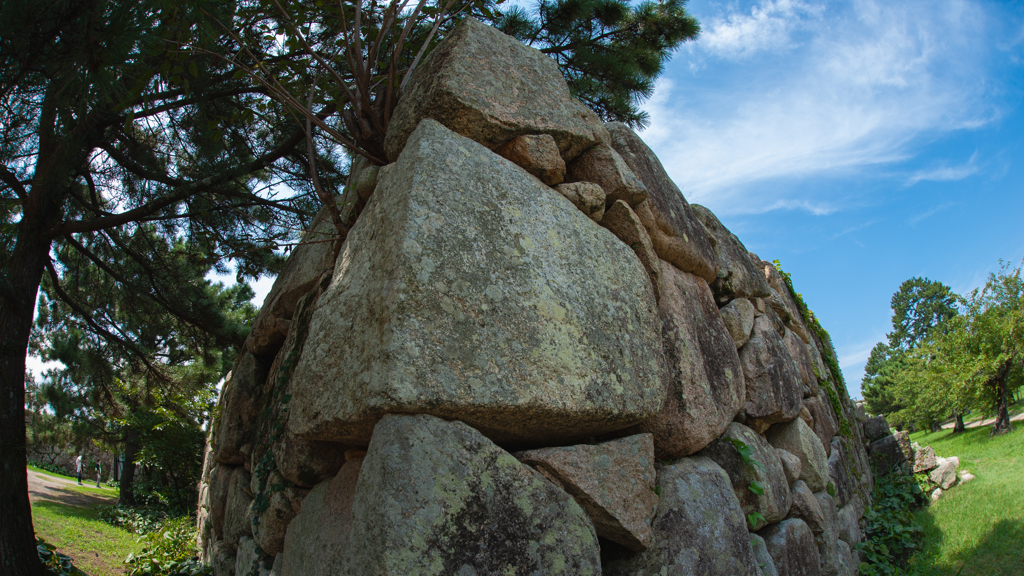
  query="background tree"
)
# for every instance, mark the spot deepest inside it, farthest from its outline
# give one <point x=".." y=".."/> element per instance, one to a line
<point x="919" y="308"/>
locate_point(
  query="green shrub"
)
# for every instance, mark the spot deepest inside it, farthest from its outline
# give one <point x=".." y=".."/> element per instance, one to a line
<point x="891" y="536"/>
<point x="54" y="562"/>
<point x="138" y="520"/>
<point x="170" y="550"/>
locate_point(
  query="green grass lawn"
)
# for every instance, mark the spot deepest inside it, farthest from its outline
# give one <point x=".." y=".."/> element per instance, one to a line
<point x="96" y="548"/>
<point x="103" y="491"/>
<point x="978" y="526"/>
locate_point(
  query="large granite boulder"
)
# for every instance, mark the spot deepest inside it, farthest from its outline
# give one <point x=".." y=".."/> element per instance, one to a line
<point x="220" y="483"/>
<point x="699" y="527"/>
<point x="798" y="438"/>
<point x="828" y="552"/>
<point x="236" y="509"/>
<point x="763" y="558"/>
<point x="491" y="88"/>
<point x="944" y="475"/>
<point x="704" y="387"/>
<point x="924" y="459"/>
<point x="791" y="545"/>
<point x="738" y="275"/>
<point x="234" y="427"/>
<point x="738" y="316"/>
<point x="876" y="428"/>
<point x="774" y="392"/>
<point x="624" y="223"/>
<point x="455" y="296"/>
<point x="840" y="471"/>
<point x="824" y="425"/>
<point x="677" y="235"/>
<point x="603" y="166"/>
<point x="612" y="481"/>
<point x="885" y="455"/>
<point x="807" y="508"/>
<point x="766" y="476"/>
<point x="283" y="502"/>
<point x="806" y="366"/>
<point x="437" y="497"/>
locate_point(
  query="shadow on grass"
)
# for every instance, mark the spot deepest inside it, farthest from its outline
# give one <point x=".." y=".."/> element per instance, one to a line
<point x="998" y="553"/>
<point x="66" y="510"/>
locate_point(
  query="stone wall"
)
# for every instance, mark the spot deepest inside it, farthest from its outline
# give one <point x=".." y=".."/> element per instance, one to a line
<point x="530" y="356"/>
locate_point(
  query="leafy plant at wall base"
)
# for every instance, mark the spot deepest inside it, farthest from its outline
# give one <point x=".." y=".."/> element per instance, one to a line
<point x="54" y="562"/>
<point x="890" y="535"/>
<point x="169" y="550"/>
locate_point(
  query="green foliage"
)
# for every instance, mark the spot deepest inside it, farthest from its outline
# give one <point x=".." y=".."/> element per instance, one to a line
<point x="891" y="536"/>
<point x="610" y="51"/>
<point x="754" y="518"/>
<point x="137" y="519"/>
<point x="54" y="562"/>
<point x="170" y="550"/>
<point x="919" y="309"/>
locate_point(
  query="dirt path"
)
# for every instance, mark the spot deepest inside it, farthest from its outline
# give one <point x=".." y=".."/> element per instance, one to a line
<point x="46" y="487"/>
<point x="986" y="422"/>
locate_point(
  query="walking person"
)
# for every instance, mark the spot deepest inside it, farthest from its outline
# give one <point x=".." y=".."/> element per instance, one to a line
<point x="99" y="471"/>
<point x="78" y="468"/>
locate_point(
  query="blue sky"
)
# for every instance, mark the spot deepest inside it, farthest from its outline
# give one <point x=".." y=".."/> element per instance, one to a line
<point x="861" y="143"/>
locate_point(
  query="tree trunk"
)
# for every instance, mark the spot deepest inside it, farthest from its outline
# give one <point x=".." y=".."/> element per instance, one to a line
<point x="936" y="427"/>
<point x="959" y="426"/>
<point x="1002" y="424"/>
<point x="131" y="448"/>
<point x="18" y="554"/>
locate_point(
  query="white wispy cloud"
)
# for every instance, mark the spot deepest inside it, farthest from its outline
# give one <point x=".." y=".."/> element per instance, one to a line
<point x="865" y="82"/>
<point x="945" y="173"/>
<point x="930" y="212"/>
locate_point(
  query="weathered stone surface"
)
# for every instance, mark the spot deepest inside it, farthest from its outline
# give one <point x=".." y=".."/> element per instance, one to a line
<point x="223" y="559"/>
<point x="848" y="524"/>
<point x="318" y="540"/>
<point x="738" y="276"/>
<point x="453" y="295"/>
<point x="491" y="88"/>
<point x="247" y="559"/>
<point x="538" y="155"/>
<point x="797" y="438"/>
<point x="806" y="508"/>
<point x="220" y="483"/>
<point x="774" y="393"/>
<point x="587" y="197"/>
<point x="437" y="497"/>
<point x="840" y="472"/>
<point x="825" y="426"/>
<point x="677" y="235"/>
<point x="944" y="475"/>
<point x="924" y="460"/>
<point x="699" y="527"/>
<point x="965" y="476"/>
<point x="612" y="481"/>
<point x="236" y="510"/>
<point x="307" y="462"/>
<point x="603" y="166"/>
<point x="791" y="545"/>
<point x="304" y="267"/>
<point x="738" y="316"/>
<point x="826" y="541"/>
<point x="806" y="368"/>
<point x="234" y="426"/>
<point x="774" y="504"/>
<point x="625" y="224"/>
<point x="806" y="416"/>
<point x="283" y="503"/>
<point x="903" y="438"/>
<point x="885" y="455"/>
<point x="936" y="494"/>
<point x="876" y="428"/>
<point x="704" y="388"/>
<point x="762" y="557"/>
<point x="846" y="566"/>
<point x="790" y="465"/>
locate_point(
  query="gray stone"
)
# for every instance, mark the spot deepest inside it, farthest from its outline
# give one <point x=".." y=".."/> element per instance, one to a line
<point x="704" y="382"/>
<point x="848" y="524"/>
<point x="612" y="481"/>
<point x="774" y="503"/>
<point x="283" y="503"/>
<point x="774" y="393"/>
<point x="491" y="88"/>
<point x="806" y="507"/>
<point x="790" y="465"/>
<point x="826" y="541"/>
<point x="797" y="438"/>
<point x="587" y="197"/>
<point x="846" y="566"/>
<point x="318" y="540"/>
<point x="247" y="559"/>
<point x="603" y="166"/>
<point x="304" y="267"/>
<point x="236" y="509"/>
<point x="738" y="316"/>
<point x="936" y="494"/>
<point x="538" y="155"/>
<point x="825" y="426"/>
<point x="738" y="276"/>
<point x="806" y="368"/>
<point x="223" y="559"/>
<point x="944" y="475"/>
<point x="220" y="483"/>
<point x="625" y="224"/>
<point x="840" y="471"/>
<point x="965" y="476"/>
<point x="791" y="545"/>
<point x="307" y="462"/>
<point x="437" y="497"/>
<point x="885" y="455"/>
<point x="924" y="460"/>
<point x="763" y="558"/>
<point x="454" y="295"/>
<point x="234" y="426"/>
<point x="677" y="235"/>
<point x="876" y="428"/>
<point x="903" y="438"/>
<point x="699" y="527"/>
